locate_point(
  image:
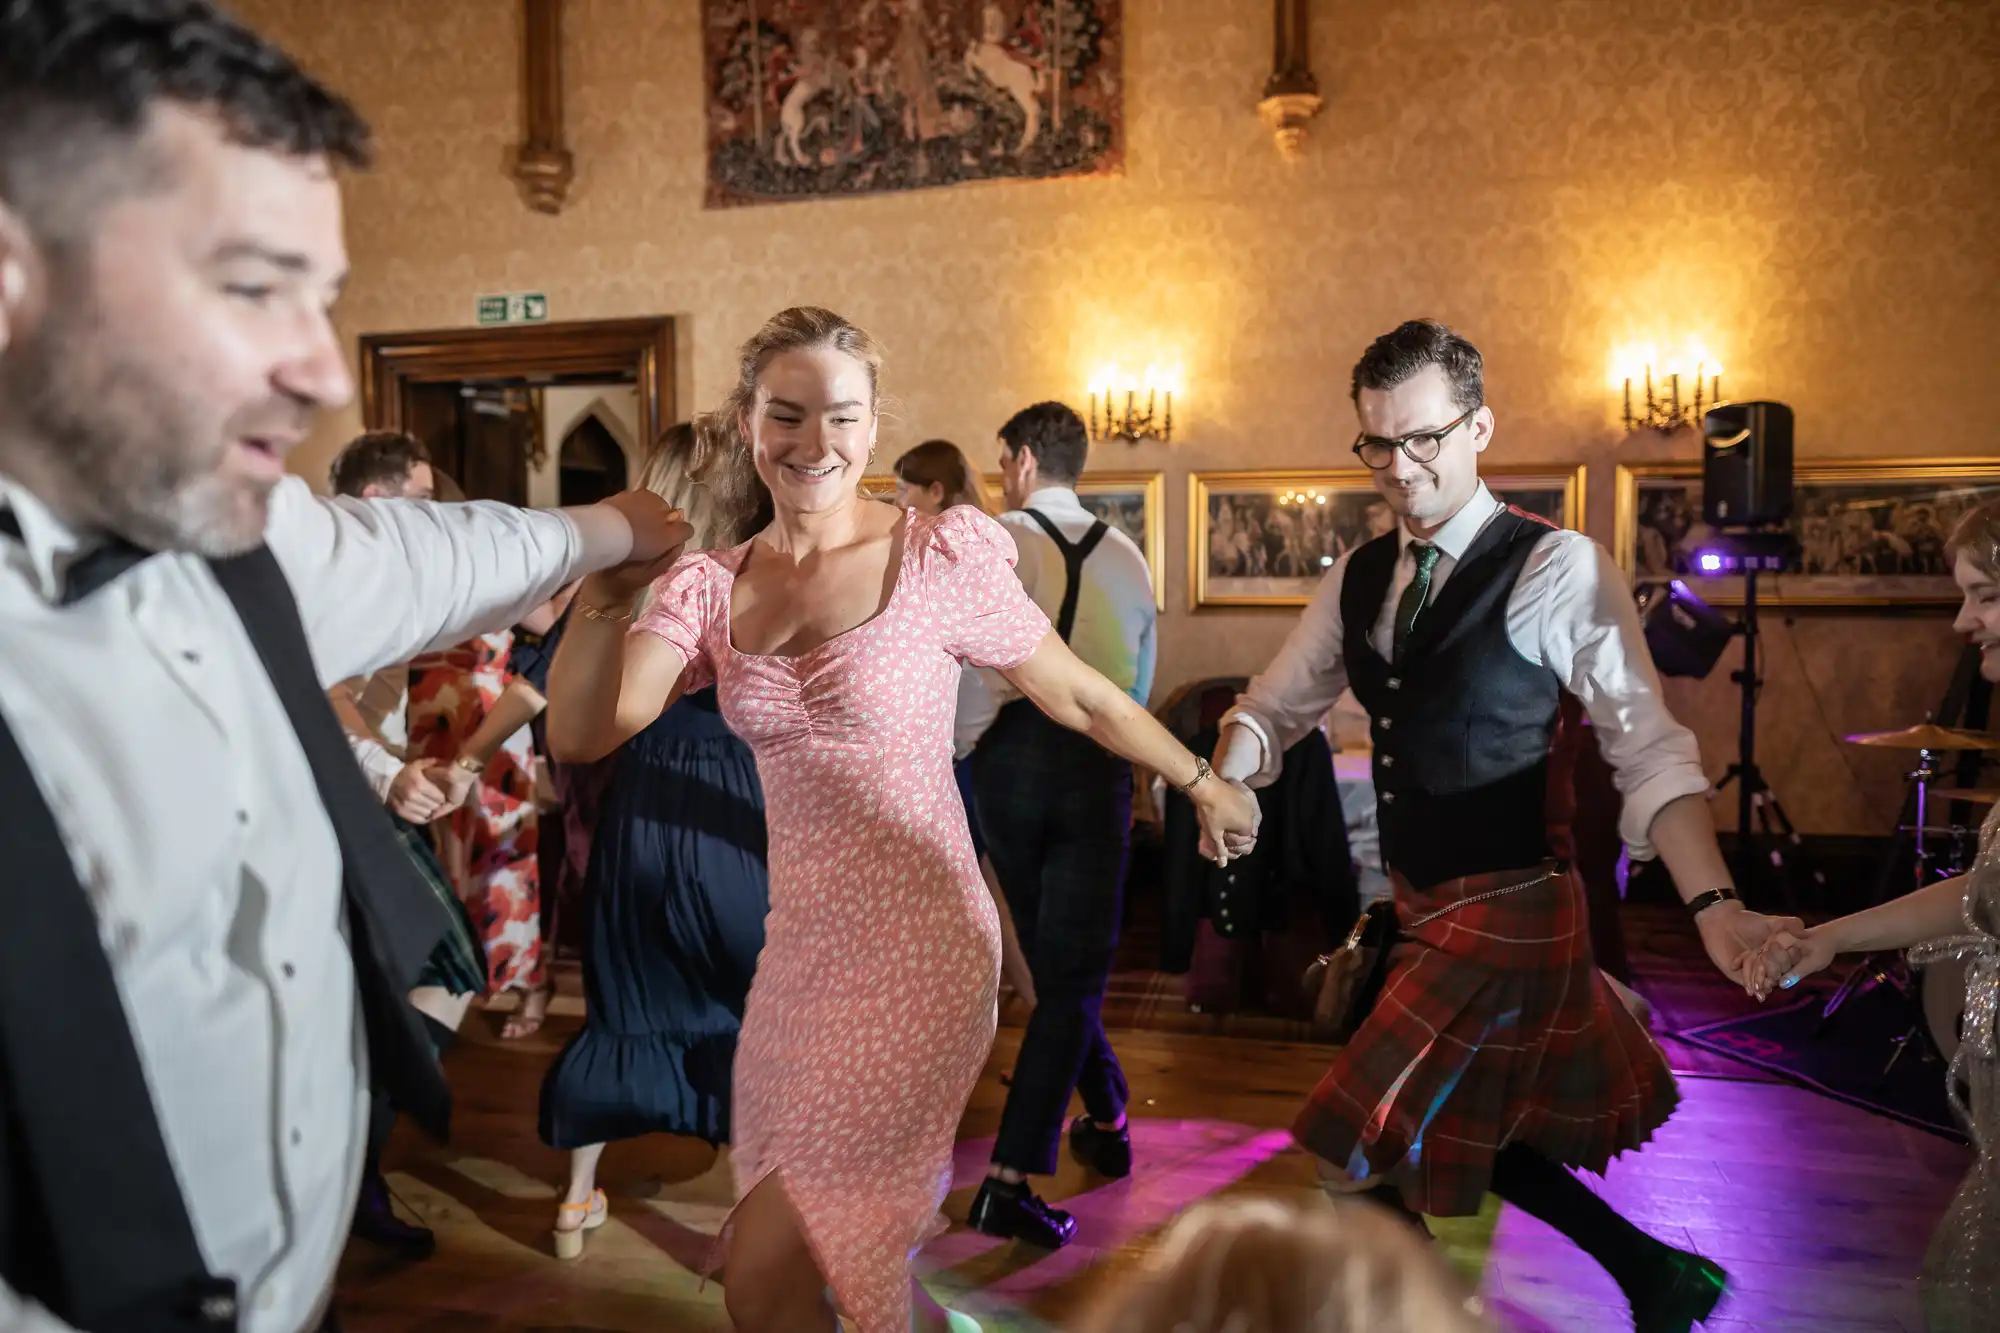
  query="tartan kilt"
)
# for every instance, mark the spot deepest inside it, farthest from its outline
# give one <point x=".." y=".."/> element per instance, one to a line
<point x="1493" y="1027"/>
<point x="456" y="963"/>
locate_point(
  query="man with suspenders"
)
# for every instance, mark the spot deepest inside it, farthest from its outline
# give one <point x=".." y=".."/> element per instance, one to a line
<point x="1056" y="812"/>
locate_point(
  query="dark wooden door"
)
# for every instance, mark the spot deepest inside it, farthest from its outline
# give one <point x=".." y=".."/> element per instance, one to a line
<point x="477" y="436"/>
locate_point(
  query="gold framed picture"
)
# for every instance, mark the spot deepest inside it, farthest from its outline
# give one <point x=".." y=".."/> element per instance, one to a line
<point x="1265" y="538"/>
<point x="1135" y="504"/>
<point x="1871" y="532"/>
<point x="1132" y="502"/>
<point x="1554" y="492"/>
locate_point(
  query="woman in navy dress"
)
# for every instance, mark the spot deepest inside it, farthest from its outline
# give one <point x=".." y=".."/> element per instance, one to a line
<point x="676" y="895"/>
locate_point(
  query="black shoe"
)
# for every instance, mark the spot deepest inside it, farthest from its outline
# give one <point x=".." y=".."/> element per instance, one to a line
<point x="1108" y="1152"/>
<point x="376" y="1222"/>
<point x="1012" y="1212"/>
<point x="1690" y="1289"/>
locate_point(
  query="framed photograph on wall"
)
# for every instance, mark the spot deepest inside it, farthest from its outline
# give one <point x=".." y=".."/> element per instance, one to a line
<point x="1265" y="538"/>
<point x="1135" y="504"/>
<point x="1871" y="532"/>
<point x="1132" y="502"/>
<point x="1555" y="493"/>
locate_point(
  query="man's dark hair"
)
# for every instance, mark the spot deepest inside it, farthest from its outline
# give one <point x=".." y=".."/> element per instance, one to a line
<point x="79" y="77"/>
<point x="1054" y="434"/>
<point x="1409" y="347"/>
<point x="379" y="458"/>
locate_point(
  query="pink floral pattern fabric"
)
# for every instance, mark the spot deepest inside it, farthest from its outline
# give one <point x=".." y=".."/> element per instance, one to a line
<point x="873" y="1007"/>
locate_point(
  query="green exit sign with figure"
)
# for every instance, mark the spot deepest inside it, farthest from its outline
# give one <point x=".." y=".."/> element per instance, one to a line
<point x="514" y="308"/>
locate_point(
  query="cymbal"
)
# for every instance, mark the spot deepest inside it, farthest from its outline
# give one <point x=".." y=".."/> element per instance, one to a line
<point x="1928" y="737"/>
<point x="1975" y="795"/>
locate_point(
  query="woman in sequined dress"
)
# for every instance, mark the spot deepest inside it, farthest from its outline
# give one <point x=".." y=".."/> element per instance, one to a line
<point x="1955" y="919"/>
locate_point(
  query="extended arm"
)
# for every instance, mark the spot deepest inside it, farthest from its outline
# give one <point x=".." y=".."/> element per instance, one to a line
<point x="606" y="685"/>
<point x="1062" y="686"/>
<point x="1932" y="912"/>
<point x="1289" y="697"/>
<point x="380" y="581"/>
<point x="1592" y="639"/>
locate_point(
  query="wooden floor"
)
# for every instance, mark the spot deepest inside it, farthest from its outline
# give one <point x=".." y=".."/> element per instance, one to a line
<point x="1820" y="1211"/>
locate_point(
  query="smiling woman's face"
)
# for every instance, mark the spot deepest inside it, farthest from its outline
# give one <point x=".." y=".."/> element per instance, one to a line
<point x="812" y="428"/>
<point x="1979" y="617"/>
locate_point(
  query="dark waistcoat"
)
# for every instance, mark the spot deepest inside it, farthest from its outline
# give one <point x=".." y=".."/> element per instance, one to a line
<point x="92" y="1222"/>
<point x="1462" y="721"/>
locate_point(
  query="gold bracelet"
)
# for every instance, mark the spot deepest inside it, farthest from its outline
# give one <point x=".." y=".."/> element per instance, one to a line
<point x="1201" y="772"/>
<point x="599" y="613"/>
<point x="466" y="763"/>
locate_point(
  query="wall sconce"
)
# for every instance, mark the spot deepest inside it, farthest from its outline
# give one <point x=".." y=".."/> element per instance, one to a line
<point x="1133" y="424"/>
<point x="1663" y="409"/>
<point x="1291" y="94"/>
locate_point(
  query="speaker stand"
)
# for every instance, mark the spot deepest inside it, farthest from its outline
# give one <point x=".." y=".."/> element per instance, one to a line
<point x="1757" y="806"/>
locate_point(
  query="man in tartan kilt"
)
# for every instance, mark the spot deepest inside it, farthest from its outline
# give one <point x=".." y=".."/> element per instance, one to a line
<point x="392" y="465"/>
<point x="1496" y="1055"/>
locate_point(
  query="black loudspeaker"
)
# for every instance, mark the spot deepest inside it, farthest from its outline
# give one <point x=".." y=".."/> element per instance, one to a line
<point x="1746" y="465"/>
<point x="1685" y="634"/>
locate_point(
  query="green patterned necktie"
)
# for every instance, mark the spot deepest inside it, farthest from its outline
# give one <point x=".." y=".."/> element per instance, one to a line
<point x="1412" y="604"/>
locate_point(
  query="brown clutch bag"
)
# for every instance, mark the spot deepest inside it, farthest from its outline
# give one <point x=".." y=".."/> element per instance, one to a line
<point x="1343" y="985"/>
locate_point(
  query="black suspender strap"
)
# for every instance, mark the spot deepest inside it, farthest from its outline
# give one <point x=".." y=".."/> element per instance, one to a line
<point x="1073" y="554"/>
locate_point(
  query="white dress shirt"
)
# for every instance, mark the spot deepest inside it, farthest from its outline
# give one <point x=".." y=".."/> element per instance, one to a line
<point x="381" y="705"/>
<point x="1116" y="618"/>
<point x="1571" y="611"/>
<point x="197" y="830"/>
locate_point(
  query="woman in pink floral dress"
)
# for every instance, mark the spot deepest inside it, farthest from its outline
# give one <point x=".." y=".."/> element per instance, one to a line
<point x="835" y="638"/>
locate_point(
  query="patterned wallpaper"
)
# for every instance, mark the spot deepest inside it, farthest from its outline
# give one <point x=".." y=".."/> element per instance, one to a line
<point x="1811" y="187"/>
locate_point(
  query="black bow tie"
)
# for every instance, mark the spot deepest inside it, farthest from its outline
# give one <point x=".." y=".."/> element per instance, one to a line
<point x="89" y="572"/>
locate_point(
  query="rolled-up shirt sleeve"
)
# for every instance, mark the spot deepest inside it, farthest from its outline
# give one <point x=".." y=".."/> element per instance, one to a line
<point x="380" y="581"/>
<point x="1592" y="639"/>
<point x="1288" y="698"/>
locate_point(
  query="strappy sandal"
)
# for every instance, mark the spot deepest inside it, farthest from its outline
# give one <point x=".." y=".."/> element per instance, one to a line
<point x="569" y="1240"/>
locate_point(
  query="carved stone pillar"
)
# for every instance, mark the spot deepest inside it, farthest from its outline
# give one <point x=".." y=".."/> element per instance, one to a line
<point x="543" y="167"/>
<point x="1291" y="94"/>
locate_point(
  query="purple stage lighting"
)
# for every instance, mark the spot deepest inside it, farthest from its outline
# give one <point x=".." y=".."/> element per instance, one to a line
<point x="1710" y="562"/>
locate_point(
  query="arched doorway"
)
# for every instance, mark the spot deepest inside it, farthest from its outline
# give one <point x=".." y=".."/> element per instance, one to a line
<point x="591" y="466"/>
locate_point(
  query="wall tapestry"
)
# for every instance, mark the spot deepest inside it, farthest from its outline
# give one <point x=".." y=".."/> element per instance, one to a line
<point x="822" y="98"/>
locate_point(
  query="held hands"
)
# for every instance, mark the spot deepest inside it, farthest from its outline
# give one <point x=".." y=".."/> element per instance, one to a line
<point x="1734" y="935"/>
<point x="659" y="534"/>
<point x="458" y="782"/>
<point x="1229" y="816"/>
<point x="425" y="790"/>
<point x="1786" y="959"/>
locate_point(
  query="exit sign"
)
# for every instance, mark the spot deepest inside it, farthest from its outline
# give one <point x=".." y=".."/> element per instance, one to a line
<point x="514" y="308"/>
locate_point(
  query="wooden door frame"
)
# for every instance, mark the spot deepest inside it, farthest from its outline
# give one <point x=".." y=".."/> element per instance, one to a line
<point x="640" y="348"/>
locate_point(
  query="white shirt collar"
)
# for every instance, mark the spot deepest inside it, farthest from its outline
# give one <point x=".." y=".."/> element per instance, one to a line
<point x="1455" y="538"/>
<point x="50" y="545"/>
<point x="1053" y="497"/>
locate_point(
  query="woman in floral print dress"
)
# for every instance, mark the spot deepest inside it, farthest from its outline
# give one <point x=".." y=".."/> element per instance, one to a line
<point x="489" y="844"/>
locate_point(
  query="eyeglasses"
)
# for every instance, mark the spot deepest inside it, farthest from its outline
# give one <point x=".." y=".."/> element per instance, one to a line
<point x="1422" y="447"/>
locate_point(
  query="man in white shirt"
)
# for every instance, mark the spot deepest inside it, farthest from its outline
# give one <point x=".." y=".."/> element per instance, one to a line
<point x="1056" y="811"/>
<point x="206" y="909"/>
<point x="374" y="712"/>
<point x="1496" y="1054"/>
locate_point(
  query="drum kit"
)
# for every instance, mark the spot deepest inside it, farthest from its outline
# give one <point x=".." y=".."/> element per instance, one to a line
<point x="1941" y="851"/>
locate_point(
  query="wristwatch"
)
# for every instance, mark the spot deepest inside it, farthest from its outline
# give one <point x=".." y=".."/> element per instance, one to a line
<point x="469" y="764"/>
<point x="1701" y="902"/>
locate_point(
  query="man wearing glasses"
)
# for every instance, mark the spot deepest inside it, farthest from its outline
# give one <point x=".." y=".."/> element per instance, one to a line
<point x="1496" y="1055"/>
